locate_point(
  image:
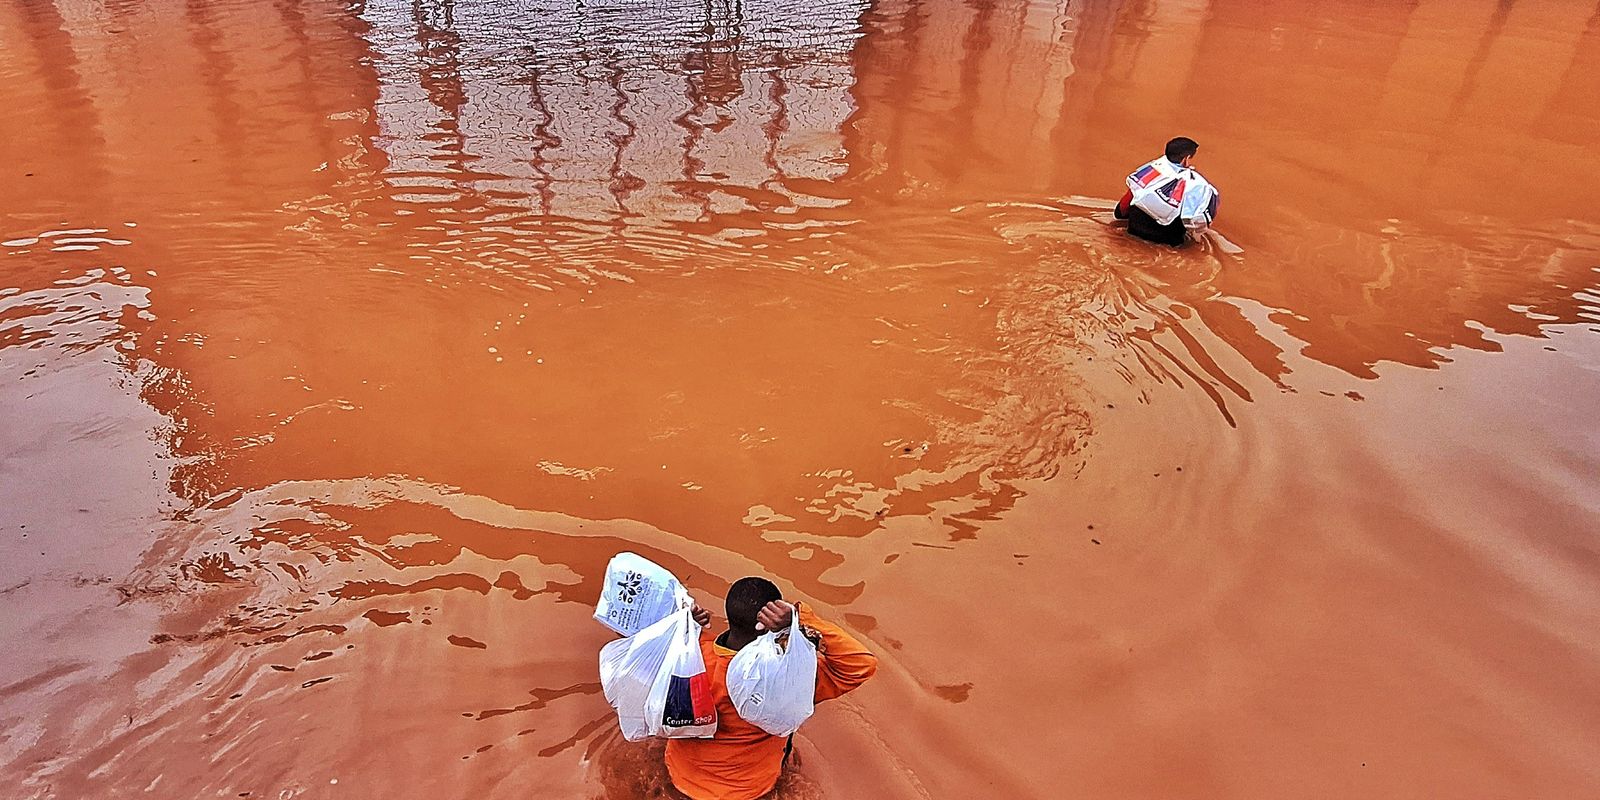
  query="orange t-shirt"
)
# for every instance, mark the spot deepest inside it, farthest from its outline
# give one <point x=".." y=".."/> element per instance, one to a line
<point x="742" y="761"/>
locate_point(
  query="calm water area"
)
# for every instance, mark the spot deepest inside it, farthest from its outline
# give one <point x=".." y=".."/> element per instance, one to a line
<point x="343" y="343"/>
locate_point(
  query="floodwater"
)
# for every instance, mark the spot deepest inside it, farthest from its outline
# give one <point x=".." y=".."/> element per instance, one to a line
<point x="341" y="344"/>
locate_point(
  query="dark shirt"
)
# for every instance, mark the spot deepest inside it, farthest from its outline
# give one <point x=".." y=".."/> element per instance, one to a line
<point x="1145" y="226"/>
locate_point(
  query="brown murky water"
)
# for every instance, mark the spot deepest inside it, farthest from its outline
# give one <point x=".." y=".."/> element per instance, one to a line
<point x="341" y="345"/>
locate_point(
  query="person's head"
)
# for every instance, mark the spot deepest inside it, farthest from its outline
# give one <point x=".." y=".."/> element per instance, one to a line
<point x="1181" y="150"/>
<point x="746" y="598"/>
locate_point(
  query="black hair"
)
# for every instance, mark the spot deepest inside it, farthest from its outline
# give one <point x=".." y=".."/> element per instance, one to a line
<point x="746" y="598"/>
<point x="1181" y="148"/>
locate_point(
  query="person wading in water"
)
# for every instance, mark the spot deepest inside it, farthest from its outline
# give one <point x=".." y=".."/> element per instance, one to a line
<point x="1167" y="200"/>
<point x="742" y="761"/>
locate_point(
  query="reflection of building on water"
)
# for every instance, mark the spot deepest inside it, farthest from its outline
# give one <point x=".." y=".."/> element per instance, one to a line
<point x="573" y="105"/>
<point x="153" y="100"/>
<point x="962" y="94"/>
<point x="657" y="110"/>
<point x="564" y="121"/>
<point x="568" y="120"/>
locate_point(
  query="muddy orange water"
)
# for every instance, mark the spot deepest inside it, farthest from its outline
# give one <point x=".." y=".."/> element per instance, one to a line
<point x="341" y="344"/>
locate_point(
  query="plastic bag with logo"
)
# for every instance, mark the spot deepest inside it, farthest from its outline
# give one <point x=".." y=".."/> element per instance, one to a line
<point x="1168" y="191"/>
<point x="656" y="680"/>
<point x="773" y="686"/>
<point x="636" y="594"/>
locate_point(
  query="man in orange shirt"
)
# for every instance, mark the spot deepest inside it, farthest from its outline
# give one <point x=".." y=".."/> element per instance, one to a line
<point x="742" y="761"/>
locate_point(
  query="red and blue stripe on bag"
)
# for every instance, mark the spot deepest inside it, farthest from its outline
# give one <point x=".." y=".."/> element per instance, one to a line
<point x="689" y="702"/>
<point x="1146" y="175"/>
<point x="1172" y="191"/>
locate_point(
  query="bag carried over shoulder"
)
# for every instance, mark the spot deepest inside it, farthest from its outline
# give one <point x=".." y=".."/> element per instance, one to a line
<point x="637" y="593"/>
<point x="656" y="677"/>
<point x="773" y="686"/>
<point x="1168" y="191"/>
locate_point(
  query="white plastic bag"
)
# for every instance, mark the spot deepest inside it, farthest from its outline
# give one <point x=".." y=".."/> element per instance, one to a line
<point x="773" y="687"/>
<point x="1168" y="191"/>
<point x="637" y="593"/>
<point x="656" y="680"/>
<point x="1199" y="207"/>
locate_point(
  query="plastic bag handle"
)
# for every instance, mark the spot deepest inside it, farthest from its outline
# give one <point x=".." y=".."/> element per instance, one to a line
<point x="794" y="626"/>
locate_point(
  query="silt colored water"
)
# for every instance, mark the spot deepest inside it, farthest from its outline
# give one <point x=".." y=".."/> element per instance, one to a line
<point x="341" y="344"/>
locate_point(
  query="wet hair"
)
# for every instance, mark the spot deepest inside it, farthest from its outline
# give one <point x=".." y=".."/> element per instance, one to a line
<point x="1181" y="148"/>
<point x="746" y="598"/>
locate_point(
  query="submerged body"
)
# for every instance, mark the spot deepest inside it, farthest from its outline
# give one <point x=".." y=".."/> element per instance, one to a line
<point x="1147" y="228"/>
